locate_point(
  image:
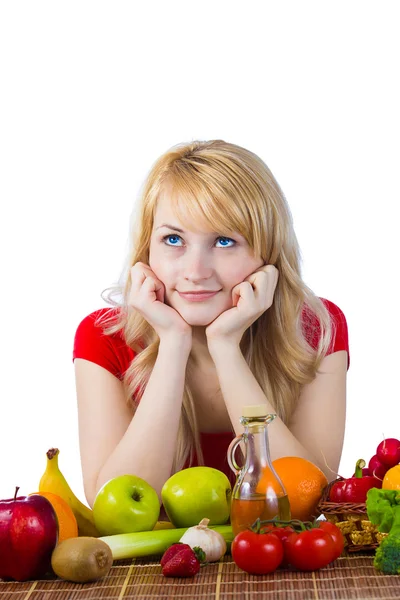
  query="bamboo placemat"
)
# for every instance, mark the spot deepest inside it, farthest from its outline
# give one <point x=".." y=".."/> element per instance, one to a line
<point x="350" y="576"/>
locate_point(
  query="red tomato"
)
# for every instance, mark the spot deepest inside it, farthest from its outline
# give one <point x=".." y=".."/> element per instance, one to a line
<point x="310" y="550"/>
<point x="335" y="534"/>
<point x="282" y="533"/>
<point x="257" y="553"/>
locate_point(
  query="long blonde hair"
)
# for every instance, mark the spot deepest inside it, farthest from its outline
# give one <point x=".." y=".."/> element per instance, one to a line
<point x="229" y="189"/>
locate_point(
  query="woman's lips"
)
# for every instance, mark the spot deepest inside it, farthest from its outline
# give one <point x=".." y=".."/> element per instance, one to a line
<point x="197" y="297"/>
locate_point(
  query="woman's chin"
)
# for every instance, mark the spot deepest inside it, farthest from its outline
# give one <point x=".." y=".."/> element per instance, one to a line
<point x="198" y="320"/>
<point x="198" y="314"/>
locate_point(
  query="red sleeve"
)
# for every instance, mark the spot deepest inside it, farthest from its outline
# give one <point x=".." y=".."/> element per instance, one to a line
<point x="341" y="337"/>
<point x="108" y="351"/>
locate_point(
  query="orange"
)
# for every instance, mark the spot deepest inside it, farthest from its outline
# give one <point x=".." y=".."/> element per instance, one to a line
<point x="391" y="480"/>
<point x="304" y="483"/>
<point x="67" y="523"/>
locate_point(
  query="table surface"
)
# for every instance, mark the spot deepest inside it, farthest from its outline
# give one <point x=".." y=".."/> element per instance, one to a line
<point x="350" y="576"/>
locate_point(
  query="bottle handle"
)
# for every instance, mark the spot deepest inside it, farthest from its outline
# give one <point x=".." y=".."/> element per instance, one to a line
<point x="231" y="453"/>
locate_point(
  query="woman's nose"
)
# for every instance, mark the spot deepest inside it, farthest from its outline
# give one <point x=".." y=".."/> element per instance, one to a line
<point x="197" y="265"/>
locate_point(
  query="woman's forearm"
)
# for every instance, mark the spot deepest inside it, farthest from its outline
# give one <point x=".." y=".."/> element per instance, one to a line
<point x="240" y="388"/>
<point x="148" y="445"/>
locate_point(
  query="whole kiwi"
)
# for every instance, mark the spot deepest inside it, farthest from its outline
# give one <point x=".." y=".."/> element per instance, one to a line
<point x="81" y="559"/>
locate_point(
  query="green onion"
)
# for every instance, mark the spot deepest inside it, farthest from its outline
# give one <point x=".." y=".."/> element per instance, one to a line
<point x="147" y="543"/>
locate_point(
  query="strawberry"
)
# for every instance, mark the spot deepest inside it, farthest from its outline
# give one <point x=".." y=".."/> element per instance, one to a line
<point x="171" y="551"/>
<point x="181" y="561"/>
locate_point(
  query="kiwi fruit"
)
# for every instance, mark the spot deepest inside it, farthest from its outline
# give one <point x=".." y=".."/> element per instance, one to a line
<point x="81" y="559"/>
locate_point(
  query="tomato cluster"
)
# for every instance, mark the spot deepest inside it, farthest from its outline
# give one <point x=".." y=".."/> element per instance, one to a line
<point x="303" y="545"/>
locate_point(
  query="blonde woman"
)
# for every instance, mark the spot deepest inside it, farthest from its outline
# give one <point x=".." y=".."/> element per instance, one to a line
<point x="212" y="315"/>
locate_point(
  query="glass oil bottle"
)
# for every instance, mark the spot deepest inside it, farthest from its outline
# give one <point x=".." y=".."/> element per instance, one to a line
<point x="258" y="491"/>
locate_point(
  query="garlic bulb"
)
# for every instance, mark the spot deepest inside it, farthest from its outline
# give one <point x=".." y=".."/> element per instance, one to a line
<point x="211" y="542"/>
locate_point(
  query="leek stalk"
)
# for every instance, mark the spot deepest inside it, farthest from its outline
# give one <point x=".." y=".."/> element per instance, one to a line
<point x="147" y="543"/>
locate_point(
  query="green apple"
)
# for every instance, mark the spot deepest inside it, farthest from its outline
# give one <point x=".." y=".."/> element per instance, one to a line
<point x="125" y="504"/>
<point x="197" y="493"/>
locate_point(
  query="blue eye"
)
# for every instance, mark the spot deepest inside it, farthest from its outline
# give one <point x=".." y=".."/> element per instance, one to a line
<point x="227" y="239"/>
<point x="172" y="235"/>
<point x="169" y="236"/>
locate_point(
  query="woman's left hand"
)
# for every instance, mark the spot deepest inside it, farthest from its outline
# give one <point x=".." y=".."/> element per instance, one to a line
<point x="251" y="299"/>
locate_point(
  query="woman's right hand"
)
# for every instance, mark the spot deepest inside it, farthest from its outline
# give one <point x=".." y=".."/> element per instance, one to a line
<point x="147" y="297"/>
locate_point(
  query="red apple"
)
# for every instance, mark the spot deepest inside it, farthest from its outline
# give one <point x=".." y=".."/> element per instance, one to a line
<point x="28" y="536"/>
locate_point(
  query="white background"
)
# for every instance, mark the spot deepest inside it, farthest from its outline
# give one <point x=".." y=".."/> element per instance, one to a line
<point x="94" y="92"/>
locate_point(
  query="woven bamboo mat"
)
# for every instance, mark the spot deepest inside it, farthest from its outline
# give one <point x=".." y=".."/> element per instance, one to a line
<point x="350" y="576"/>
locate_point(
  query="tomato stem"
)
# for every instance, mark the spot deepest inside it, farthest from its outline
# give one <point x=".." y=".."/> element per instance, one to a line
<point x="256" y="525"/>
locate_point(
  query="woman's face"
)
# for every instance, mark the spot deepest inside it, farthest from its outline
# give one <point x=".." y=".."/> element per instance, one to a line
<point x="194" y="260"/>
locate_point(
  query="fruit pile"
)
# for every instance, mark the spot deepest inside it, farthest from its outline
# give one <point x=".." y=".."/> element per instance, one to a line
<point x="36" y="532"/>
<point x="383" y="471"/>
<point x="51" y="532"/>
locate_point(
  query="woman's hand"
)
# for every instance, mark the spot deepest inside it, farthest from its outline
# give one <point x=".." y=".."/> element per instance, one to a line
<point x="147" y="297"/>
<point x="250" y="299"/>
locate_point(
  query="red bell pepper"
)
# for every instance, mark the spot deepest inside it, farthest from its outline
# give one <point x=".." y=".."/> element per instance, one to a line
<point x="355" y="488"/>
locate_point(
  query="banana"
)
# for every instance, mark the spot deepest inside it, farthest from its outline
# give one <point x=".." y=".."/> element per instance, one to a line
<point x="54" y="481"/>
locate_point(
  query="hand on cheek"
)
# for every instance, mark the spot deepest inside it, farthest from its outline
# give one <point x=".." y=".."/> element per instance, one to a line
<point x="250" y="299"/>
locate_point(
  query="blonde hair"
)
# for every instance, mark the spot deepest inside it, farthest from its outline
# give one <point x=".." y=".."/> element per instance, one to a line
<point x="229" y="189"/>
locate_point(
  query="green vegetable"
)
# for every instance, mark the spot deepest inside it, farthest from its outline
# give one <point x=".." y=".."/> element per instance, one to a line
<point x="383" y="510"/>
<point x="387" y="555"/>
<point x="146" y="543"/>
<point x="381" y="507"/>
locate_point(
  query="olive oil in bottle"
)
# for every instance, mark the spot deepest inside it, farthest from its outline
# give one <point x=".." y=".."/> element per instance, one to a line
<point x="258" y="491"/>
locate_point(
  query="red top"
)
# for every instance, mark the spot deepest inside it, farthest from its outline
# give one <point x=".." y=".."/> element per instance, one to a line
<point x="112" y="353"/>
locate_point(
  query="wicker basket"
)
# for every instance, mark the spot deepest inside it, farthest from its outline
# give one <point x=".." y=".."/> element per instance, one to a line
<point x="359" y="533"/>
